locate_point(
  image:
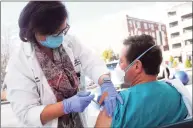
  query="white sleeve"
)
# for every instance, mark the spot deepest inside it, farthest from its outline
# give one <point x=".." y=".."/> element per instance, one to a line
<point x="92" y="65"/>
<point x="186" y="96"/>
<point x="24" y="98"/>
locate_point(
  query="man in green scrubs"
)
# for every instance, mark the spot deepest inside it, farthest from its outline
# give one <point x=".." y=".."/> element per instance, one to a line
<point x="147" y="102"/>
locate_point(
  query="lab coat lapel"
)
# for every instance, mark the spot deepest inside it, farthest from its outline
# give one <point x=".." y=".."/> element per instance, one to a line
<point x="38" y="74"/>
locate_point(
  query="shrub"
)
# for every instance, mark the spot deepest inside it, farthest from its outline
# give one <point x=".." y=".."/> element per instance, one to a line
<point x="175" y="64"/>
<point x="188" y="64"/>
<point x="171" y="59"/>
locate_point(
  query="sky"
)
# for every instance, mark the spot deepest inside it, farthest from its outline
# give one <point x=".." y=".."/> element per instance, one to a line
<point x="97" y="24"/>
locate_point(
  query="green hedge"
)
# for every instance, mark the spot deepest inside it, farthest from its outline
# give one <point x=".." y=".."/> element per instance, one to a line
<point x="188" y="64"/>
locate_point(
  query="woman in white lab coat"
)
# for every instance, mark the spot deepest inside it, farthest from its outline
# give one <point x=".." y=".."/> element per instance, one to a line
<point x="41" y="78"/>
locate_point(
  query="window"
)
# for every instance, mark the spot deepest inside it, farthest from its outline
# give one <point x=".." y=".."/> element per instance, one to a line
<point x="153" y="34"/>
<point x="149" y="25"/>
<point x="163" y="28"/>
<point x="176" y="34"/>
<point x="187" y="29"/>
<point x="152" y="27"/>
<point x="166" y="48"/>
<point x="177" y="45"/>
<point x="139" y="33"/>
<point x="189" y="57"/>
<point x="145" y="25"/>
<point x="132" y="33"/>
<point x="138" y="25"/>
<point x="173" y="24"/>
<point x="186" y="17"/>
<point x="188" y="42"/>
<point x="146" y="33"/>
<point x="173" y="13"/>
<point x="159" y="27"/>
<point x="130" y="23"/>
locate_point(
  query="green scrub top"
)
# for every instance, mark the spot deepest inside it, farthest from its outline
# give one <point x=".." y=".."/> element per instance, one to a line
<point x="149" y="105"/>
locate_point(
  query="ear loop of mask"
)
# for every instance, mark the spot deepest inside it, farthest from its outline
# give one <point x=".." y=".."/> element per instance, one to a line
<point x="138" y="58"/>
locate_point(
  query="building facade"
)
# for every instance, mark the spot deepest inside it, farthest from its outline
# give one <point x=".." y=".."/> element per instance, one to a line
<point x="156" y="30"/>
<point x="179" y="26"/>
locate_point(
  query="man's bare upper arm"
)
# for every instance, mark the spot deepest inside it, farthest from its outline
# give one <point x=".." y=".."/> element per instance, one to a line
<point x="103" y="120"/>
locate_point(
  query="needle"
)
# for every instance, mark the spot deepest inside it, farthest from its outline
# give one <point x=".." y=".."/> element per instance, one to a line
<point x="96" y="102"/>
<point x="102" y="98"/>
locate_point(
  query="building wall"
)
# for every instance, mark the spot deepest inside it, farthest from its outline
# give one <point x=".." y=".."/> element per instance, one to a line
<point x="179" y="18"/>
<point x="156" y="30"/>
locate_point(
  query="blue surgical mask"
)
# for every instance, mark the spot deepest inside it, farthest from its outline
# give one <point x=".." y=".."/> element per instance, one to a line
<point x="53" y="41"/>
<point x="131" y="64"/>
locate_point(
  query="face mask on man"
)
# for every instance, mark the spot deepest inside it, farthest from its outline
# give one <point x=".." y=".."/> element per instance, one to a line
<point x="53" y="41"/>
<point x="123" y="72"/>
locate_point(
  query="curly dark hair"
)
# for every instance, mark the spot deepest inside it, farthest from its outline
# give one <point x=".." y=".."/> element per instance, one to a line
<point x="152" y="60"/>
<point x="44" y="17"/>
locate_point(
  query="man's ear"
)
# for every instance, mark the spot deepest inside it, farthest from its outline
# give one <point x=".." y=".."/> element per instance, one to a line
<point x="138" y="66"/>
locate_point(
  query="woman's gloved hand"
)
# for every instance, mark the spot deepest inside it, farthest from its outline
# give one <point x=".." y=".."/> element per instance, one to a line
<point x="111" y="99"/>
<point x="78" y="102"/>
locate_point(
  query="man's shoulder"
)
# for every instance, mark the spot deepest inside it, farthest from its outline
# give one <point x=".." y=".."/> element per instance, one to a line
<point x="126" y="94"/>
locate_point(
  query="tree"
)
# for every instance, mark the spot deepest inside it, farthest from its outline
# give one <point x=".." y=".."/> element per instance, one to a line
<point x="4" y="61"/>
<point x="6" y="42"/>
<point x="171" y="59"/>
<point x="107" y="55"/>
<point x="188" y="63"/>
<point x="175" y="64"/>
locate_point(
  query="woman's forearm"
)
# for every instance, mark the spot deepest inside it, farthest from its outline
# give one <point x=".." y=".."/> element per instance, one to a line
<point x="51" y="112"/>
<point x="76" y="103"/>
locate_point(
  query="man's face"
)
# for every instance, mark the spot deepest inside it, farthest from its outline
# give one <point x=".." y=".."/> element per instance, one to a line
<point x="131" y="73"/>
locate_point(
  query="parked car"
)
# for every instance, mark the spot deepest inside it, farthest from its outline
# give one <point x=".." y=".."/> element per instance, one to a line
<point x="112" y="65"/>
<point x="165" y="72"/>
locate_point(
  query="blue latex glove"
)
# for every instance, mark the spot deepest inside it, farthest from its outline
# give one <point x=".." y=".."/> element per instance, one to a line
<point x="113" y="96"/>
<point x="78" y="102"/>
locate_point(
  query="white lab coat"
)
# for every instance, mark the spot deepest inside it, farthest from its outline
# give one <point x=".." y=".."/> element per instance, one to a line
<point x="28" y="90"/>
<point x="187" y="98"/>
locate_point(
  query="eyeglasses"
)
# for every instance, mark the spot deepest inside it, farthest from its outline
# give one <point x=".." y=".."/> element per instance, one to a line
<point x="64" y="31"/>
